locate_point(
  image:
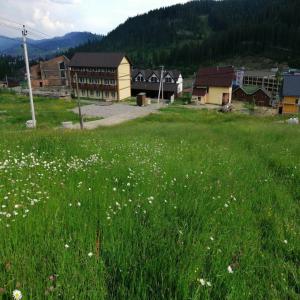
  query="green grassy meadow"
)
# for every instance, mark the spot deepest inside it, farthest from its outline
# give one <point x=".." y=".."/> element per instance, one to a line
<point x="184" y="204"/>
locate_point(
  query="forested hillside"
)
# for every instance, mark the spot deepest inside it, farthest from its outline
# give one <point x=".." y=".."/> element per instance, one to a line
<point x="207" y="31"/>
<point x="10" y="66"/>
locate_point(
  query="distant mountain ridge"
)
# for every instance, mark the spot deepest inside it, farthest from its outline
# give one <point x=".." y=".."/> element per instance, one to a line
<point x="47" y="47"/>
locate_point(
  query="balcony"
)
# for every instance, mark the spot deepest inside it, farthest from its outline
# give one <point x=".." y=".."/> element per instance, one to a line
<point x="100" y="75"/>
<point x="95" y="87"/>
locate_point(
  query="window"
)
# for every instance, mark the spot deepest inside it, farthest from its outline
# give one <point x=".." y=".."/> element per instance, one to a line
<point x="113" y="94"/>
<point x="154" y="79"/>
<point x="106" y="81"/>
<point x="112" y="82"/>
<point x="106" y="94"/>
<point x="91" y="93"/>
<point x="62" y="66"/>
<point x="168" y="80"/>
<point x="62" y="74"/>
<point x="140" y="78"/>
<point x="98" y="93"/>
<point x="83" y="92"/>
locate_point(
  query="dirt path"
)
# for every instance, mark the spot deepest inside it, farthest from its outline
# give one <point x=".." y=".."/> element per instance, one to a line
<point x="114" y="114"/>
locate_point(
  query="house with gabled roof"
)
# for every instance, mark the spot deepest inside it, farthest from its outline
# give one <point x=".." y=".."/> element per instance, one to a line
<point x="51" y="73"/>
<point x="214" y="85"/>
<point x="252" y="94"/>
<point x="148" y="81"/>
<point x="291" y="94"/>
<point x="102" y="76"/>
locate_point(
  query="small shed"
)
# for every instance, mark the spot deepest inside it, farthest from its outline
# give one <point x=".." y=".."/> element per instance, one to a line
<point x="253" y="94"/>
<point x="291" y="94"/>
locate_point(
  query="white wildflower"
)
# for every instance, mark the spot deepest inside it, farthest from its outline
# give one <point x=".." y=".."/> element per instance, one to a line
<point x="90" y="254"/>
<point x="17" y="294"/>
<point x="202" y="281"/>
<point x="229" y="269"/>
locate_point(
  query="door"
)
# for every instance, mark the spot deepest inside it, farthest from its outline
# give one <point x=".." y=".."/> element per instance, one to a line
<point x="225" y="98"/>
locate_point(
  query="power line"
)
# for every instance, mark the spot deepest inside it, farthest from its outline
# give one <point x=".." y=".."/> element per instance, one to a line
<point x="30" y="44"/>
<point x="10" y="26"/>
<point x="31" y="29"/>
<point x="12" y="39"/>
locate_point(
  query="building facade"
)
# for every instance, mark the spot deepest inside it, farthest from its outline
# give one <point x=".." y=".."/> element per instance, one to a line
<point x="148" y="81"/>
<point x="266" y="79"/>
<point x="51" y="73"/>
<point x="214" y="85"/>
<point x="102" y="76"/>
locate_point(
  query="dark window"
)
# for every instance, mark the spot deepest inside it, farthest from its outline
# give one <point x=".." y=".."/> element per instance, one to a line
<point x="62" y="66"/>
<point x="140" y="78"/>
<point x="154" y="79"/>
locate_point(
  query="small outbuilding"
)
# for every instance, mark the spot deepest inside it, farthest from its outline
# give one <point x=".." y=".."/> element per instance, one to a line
<point x="291" y="94"/>
<point x="252" y="94"/>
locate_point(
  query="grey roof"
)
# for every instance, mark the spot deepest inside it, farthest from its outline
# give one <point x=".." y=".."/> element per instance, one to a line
<point x="97" y="59"/>
<point x="260" y="73"/>
<point x="148" y="72"/>
<point x="291" y="85"/>
<point x="153" y="86"/>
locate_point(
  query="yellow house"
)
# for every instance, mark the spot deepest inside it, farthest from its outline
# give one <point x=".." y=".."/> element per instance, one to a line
<point x="102" y="76"/>
<point x="214" y="85"/>
<point x="291" y="94"/>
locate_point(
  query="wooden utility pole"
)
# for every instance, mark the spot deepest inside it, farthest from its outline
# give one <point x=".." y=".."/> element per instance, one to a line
<point x="78" y="102"/>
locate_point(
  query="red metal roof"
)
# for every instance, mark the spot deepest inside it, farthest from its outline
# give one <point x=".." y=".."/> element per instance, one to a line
<point x="199" y="92"/>
<point x="215" y="76"/>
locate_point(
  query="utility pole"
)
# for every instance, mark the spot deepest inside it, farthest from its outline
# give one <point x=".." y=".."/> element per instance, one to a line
<point x="161" y="84"/>
<point x="6" y="81"/>
<point x="24" y="34"/>
<point x="78" y="102"/>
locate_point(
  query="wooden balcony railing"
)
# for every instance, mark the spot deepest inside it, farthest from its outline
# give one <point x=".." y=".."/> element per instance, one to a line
<point x="95" y="87"/>
<point x="100" y="75"/>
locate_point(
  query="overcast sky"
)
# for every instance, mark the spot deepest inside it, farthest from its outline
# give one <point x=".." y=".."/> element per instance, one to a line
<point x="57" y="17"/>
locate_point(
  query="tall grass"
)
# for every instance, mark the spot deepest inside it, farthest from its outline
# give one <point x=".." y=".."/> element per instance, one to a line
<point x="153" y="209"/>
